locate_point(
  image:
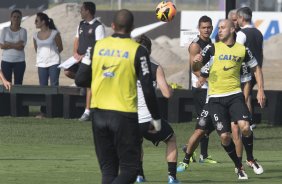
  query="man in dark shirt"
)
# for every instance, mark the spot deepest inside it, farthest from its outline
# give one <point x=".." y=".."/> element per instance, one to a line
<point x="252" y="38"/>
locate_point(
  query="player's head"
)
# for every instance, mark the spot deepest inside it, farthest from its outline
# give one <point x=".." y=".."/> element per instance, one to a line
<point x="232" y="15"/>
<point x="88" y="10"/>
<point x="226" y="30"/>
<point x="123" y="21"/>
<point x="145" y="41"/>
<point x="244" y="16"/>
<point x="205" y="26"/>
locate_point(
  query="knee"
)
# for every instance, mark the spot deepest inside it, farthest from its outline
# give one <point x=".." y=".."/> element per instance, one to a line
<point x="246" y="131"/>
<point x="225" y="138"/>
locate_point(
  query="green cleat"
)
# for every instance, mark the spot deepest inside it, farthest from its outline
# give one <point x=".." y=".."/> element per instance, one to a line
<point x="207" y="160"/>
<point x="193" y="158"/>
<point x="182" y="167"/>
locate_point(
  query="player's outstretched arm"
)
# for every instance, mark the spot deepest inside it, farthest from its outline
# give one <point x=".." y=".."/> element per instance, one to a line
<point x="162" y="83"/>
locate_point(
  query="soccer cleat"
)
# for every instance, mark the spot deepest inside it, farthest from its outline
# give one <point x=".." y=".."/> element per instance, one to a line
<point x="257" y="168"/>
<point x="193" y="158"/>
<point x="182" y="167"/>
<point x="171" y="179"/>
<point x="241" y="174"/>
<point x="207" y="160"/>
<point x="140" y="179"/>
<point x="84" y="117"/>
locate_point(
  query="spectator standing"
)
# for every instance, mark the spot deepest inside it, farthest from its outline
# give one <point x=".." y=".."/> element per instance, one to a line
<point x="12" y="41"/>
<point x="252" y="38"/>
<point x="88" y="32"/>
<point x="117" y="63"/>
<point x="48" y="46"/>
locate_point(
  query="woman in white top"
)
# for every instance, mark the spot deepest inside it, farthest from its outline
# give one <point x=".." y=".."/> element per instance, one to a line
<point x="48" y="46"/>
<point x="12" y="41"/>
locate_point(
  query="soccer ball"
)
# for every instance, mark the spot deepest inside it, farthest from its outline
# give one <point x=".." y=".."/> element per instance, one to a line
<point x="165" y="11"/>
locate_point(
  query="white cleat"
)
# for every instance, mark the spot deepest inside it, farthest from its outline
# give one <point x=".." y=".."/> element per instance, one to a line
<point x="257" y="168"/>
<point x="242" y="174"/>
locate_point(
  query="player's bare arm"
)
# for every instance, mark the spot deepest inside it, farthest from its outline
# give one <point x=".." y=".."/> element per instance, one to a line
<point x="194" y="50"/>
<point x="162" y="83"/>
<point x="259" y="78"/>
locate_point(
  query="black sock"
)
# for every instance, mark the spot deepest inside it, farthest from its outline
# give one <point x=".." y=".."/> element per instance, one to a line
<point x="187" y="158"/>
<point x="140" y="170"/>
<point x="240" y="158"/>
<point x="172" y="169"/>
<point x="248" y="145"/>
<point x="204" y="146"/>
<point x="230" y="150"/>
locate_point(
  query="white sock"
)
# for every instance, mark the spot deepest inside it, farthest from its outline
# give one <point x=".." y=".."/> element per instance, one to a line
<point x="87" y="111"/>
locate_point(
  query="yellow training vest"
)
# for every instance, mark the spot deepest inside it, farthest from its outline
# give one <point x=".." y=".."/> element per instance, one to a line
<point x="113" y="75"/>
<point x="224" y="76"/>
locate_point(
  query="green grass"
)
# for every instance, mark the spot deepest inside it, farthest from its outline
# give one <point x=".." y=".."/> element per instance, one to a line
<point x="58" y="151"/>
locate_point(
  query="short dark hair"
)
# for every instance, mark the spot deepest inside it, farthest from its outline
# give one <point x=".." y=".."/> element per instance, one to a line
<point x="16" y="11"/>
<point x="90" y="6"/>
<point x="123" y="20"/>
<point x="145" y="41"/>
<point x="246" y="13"/>
<point x="204" y="19"/>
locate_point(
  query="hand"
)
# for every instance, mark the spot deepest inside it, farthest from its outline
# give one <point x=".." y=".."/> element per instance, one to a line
<point x="156" y="124"/>
<point x="198" y="58"/>
<point x="7" y="85"/>
<point x="78" y="57"/>
<point x="201" y="81"/>
<point x="261" y="98"/>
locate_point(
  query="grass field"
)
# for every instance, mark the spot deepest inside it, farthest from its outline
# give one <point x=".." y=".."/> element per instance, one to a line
<point x="58" y="151"/>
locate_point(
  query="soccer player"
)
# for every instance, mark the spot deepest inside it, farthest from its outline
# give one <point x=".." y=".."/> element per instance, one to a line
<point x="117" y="62"/>
<point x="205" y="29"/>
<point x="166" y="134"/>
<point x="88" y="32"/>
<point x="226" y="102"/>
<point x="252" y="38"/>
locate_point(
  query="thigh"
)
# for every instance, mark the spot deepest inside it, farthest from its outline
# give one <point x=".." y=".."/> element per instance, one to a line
<point x="104" y="142"/>
<point x="6" y="69"/>
<point x="238" y="109"/>
<point x="43" y="75"/>
<point x="19" y="69"/>
<point x="54" y="73"/>
<point x="219" y="115"/>
<point x="126" y="138"/>
<point x="164" y="134"/>
<point x="200" y="96"/>
<point x="204" y="122"/>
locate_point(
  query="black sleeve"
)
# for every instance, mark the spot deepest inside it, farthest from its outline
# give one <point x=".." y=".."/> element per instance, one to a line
<point x="144" y="75"/>
<point x="207" y="53"/>
<point x="83" y="77"/>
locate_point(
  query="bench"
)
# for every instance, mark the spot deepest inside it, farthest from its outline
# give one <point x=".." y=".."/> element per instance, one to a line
<point x="73" y="101"/>
<point x="23" y="96"/>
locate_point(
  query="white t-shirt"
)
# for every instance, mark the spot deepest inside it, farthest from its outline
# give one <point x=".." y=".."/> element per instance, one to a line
<point x="144" y="114"/>
<point x="13" y="55"/>
<point x="47" y="51"/>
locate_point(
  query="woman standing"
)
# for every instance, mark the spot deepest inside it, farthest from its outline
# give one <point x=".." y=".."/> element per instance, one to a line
<point x="48" y="46"/>
<point x="12" y="41"/>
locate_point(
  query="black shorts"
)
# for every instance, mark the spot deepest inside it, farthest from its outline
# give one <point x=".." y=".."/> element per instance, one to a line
<point x="164" y="134"/>
<point x="225" y="110"/>
<point x="204" y="122"/>
<point x="200" y="96"/>
<point x="73" y="68"/>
